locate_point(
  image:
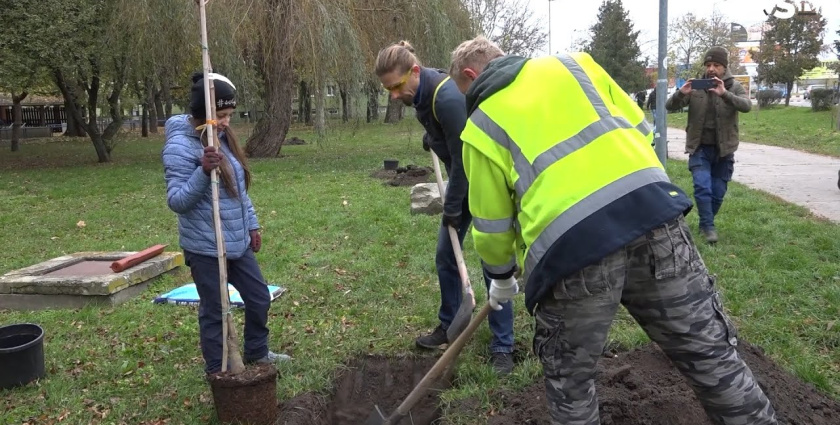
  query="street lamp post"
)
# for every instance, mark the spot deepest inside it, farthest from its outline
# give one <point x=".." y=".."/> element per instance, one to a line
<point x="549" y="26"/>
<point x="661" y="134"/>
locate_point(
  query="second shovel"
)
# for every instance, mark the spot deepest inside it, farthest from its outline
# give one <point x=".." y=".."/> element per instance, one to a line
<point x="465" y="311"/>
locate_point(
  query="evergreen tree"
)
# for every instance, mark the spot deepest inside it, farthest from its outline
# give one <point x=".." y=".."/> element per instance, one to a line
<point x="615" y="46"/>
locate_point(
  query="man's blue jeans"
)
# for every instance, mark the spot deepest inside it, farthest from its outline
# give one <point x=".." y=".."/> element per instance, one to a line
<point x="711" y="175"/>
<point x="501" y="322"/>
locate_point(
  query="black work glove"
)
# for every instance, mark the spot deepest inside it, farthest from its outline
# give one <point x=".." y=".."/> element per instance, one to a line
<point x="426" y="142"/>
<point x="211" y="159"/>
<point x="452" y="220"/>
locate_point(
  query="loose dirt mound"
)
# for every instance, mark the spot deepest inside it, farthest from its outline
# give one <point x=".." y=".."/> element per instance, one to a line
<point x="380" y="381"/>
<point x="641" y="387"/>
<point x="404" y="176"/>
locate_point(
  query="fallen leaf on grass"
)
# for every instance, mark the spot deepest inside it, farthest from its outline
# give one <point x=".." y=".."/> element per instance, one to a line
<point x="81" y="224"/>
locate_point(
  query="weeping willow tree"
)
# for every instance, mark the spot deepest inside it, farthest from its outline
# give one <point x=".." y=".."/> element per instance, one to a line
<point x="322" y="41"/>
<point x="263" y="32"/>
<point x="433" y="27"/>
<point x="327" y="49"/>
<point x="163" y="53"/>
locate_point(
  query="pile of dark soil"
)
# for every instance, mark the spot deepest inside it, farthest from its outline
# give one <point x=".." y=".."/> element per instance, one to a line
<point x="642" y="387"/>
<point x="405" y="176"/>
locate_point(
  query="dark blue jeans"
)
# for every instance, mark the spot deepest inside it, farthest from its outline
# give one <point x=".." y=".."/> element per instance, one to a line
<point x="245" y="275"/>
<point x="501" y="322"/>
<point x="711" y="175"/>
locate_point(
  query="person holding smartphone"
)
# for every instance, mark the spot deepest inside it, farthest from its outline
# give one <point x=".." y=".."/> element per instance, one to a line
<point x="714" y="103"/>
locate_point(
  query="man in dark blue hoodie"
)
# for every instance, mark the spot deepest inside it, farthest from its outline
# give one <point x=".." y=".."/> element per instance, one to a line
<point x="441" y="109"/>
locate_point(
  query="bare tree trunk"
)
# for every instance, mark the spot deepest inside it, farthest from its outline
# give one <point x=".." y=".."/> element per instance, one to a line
<point x="373" y="102"/>
<point x="345" y="103"/>
<point x="303" y="94"/>
<point x="277" y="71"/>
<point x="787" y="95"/>
<point x="837" y="110"/>
<point x="394" y="113"/>
<point x="74" y="129"/>
<point x="72" y="110"/>
<point x="115" y="109"/>
<point x="270" y="130"/>
<point x="159" y="114"/>
<point x="150" y="101"/>
<point x="144" y="123"/>
<point x="320" y="117"/>
<point x="17" y="119"/>
<point x="101" y="140"/>
<point x="166" y="94"/>
<point x="305" y="103"/>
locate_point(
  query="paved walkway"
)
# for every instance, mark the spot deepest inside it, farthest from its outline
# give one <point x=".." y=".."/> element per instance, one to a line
<point x="801" y="178"/>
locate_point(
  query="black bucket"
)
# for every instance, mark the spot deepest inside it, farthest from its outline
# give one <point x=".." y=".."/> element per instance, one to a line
<point x="21" y="354"/>
<point x="391" y="164"/>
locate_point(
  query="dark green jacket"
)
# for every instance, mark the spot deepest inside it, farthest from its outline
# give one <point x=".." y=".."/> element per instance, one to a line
<point x="727" y="107"/>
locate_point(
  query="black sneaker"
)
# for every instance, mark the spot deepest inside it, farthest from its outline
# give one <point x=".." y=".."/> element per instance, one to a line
<point x="502" y="363"/>
<point x="433" y="340"/>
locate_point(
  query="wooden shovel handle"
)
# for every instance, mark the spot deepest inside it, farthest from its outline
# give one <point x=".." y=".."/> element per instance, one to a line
<point x="453" y="235"/>
<point x="439" y="367"/>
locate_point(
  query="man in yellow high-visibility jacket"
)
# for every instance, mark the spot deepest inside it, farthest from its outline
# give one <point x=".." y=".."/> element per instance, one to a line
<point x="563" y="183"/>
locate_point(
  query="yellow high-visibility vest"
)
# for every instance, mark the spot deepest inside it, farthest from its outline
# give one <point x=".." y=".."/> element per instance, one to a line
<point x="568" y="143"/>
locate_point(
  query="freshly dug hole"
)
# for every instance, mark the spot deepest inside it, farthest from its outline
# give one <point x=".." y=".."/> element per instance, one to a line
<point x="369" y="381"/>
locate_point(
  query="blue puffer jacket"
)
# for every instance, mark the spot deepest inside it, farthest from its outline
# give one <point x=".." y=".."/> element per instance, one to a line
<point x="188" y="193"/>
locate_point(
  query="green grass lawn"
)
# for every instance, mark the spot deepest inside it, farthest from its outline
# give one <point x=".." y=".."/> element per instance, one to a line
<point x="360" y="275"/>
<point x="789" y="127"/>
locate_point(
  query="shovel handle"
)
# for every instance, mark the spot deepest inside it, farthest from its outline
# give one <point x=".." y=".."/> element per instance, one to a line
<point x="453" y="235"/>
<point x="439" y="367"/>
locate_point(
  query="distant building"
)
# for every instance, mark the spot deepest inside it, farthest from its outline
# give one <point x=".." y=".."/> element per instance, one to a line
<point x="36" y="111"/>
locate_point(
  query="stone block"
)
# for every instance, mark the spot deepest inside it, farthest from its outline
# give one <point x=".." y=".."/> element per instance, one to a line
<point x="425" y="199"/>
<point x="75" y="280"/>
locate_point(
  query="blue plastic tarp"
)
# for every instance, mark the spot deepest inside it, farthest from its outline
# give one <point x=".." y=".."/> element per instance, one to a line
<point x="188" y="295"/>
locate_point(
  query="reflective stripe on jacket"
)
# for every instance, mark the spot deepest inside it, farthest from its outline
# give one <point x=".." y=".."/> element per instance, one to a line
<point x="560" y="169"/>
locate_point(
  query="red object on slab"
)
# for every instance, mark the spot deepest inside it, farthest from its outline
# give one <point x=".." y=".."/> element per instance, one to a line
<point x="135" y="259"/>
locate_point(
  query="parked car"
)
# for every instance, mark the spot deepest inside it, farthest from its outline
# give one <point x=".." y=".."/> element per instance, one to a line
<point x="807" y="94"/>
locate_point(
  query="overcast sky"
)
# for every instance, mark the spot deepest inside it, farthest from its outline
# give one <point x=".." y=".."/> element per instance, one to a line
<point x="567" y="25"/>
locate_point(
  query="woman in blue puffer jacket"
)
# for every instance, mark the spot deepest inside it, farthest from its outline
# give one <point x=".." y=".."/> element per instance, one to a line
<point x="187" y="162"/>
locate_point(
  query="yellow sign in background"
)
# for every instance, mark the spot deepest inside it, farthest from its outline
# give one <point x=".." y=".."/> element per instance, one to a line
<point x="745" y="82"/>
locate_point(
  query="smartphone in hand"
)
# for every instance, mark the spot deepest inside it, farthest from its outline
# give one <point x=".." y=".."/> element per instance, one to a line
<point x="703" y="84"/>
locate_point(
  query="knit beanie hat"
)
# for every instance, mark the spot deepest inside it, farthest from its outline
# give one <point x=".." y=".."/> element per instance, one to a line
<point x="225" y="93"/>
<point x="717" y="54"/>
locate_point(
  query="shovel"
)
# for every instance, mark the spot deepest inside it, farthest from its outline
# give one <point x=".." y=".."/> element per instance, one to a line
<point x="462" y="316"/>
<point x="448" y="357"/>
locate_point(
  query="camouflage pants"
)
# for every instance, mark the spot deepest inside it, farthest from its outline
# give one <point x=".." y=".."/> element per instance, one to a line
<point x="664" y="284"/>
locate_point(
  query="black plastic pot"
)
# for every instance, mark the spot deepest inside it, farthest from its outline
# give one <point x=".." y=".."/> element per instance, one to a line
<point x="391" y="164"/>
<point x="21" y="354"/>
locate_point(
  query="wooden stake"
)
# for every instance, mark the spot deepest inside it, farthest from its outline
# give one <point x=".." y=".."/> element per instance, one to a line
<point x="230" y="343"/>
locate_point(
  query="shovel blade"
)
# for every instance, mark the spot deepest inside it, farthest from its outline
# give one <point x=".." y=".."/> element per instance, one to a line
<point x="461" y="320"/>
<point x="376" y="417"/>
